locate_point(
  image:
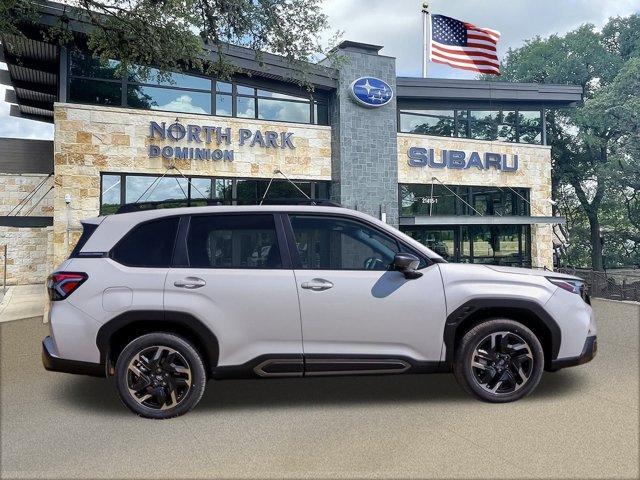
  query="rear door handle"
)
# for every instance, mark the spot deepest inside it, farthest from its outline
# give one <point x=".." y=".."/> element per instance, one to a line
<point x="190" y="283"/>
<point x="317" y="285"/>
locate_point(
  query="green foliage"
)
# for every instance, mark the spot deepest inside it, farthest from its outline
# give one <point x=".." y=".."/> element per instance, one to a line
<point x="596" y="146"/>
<point x="172" y="35"/>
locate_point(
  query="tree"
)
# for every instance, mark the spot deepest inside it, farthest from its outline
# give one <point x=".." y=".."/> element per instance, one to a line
<point x="172" y="35"/>
<point x="593" y="146"/>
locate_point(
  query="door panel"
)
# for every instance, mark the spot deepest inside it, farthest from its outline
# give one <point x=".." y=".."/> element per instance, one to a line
<point x="373" y="313"/>
<point x="251" y="312"/>
<point x="236" y="284"/>
<point x="352" y="304"/>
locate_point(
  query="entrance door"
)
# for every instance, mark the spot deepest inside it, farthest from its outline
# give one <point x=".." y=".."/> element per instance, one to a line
<point x="236" y="281"/>
<point x="357" y="315"/>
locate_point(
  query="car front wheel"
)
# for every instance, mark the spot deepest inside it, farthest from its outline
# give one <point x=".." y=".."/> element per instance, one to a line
<point x="499" y="361"/>
<point x="160" y="375"/>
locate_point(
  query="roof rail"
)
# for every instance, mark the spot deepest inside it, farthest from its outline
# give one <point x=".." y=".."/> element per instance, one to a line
<point x="170" y="203"/>
<point x="317" y="202"/>
<point x="201" y="202"/>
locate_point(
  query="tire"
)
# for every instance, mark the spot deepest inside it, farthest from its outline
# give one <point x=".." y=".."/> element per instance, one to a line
<point x="507" y="373"/>
<point x="160" y="376"/>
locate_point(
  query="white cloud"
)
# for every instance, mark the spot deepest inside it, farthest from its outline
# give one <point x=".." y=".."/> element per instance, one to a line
<point x="19" y="127"/>
<point x="184" y="103"/>
<point x="397" y="25"/>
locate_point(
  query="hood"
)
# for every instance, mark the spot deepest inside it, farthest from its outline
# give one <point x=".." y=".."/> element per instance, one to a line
<point x="530" y="271"/>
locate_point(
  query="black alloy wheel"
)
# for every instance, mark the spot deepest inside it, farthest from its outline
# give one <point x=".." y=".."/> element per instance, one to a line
<point x="499" y="360"/>
<point x="160" y="375"/>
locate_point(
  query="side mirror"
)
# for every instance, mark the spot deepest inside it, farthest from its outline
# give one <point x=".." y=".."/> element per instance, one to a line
<point x="407" y="264"/>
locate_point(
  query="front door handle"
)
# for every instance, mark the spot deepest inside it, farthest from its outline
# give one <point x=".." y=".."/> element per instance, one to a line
<point x="317" y="285"/>
<point x="190" y="283"/>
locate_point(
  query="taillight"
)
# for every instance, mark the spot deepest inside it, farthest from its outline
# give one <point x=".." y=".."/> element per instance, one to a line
<point x="62" y="284"/>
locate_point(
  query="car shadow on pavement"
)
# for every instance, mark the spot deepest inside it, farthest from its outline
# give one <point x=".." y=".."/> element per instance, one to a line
<point x="100" y="395"/>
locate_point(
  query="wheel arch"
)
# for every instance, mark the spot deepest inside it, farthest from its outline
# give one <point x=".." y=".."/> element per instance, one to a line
<point x="529" y="313"/>
<point x="114" y="335"/>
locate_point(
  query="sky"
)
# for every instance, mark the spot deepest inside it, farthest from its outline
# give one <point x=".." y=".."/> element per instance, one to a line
<point x="397" y="25"/>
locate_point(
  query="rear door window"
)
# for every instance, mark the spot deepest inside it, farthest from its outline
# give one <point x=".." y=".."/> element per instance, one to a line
<point x="233" y="241"/>
<point x="150" y="244"/>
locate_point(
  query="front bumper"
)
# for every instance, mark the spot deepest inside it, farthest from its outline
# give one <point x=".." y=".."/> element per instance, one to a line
<point x="54" y="363"/>
<point x="588" y="352"/>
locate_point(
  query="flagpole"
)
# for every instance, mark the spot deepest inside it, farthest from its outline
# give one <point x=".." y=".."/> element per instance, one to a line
<point x="426" y="37"/>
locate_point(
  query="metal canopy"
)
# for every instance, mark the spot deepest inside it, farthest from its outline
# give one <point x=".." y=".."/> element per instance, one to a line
<point x="480" y="220"/>
<point x="469" y="92"/>
<point x="33" y="74"/>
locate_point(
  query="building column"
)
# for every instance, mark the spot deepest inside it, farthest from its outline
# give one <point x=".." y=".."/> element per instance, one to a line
<point x="364" y="150"/>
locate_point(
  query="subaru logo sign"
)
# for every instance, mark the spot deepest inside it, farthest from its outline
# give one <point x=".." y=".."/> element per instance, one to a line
<point x="371" y="92"/>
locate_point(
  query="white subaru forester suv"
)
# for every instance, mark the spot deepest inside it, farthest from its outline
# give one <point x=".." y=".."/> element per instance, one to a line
<point x="165" y="299"/>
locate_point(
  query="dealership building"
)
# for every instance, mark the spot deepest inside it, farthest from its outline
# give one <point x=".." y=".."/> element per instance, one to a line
<point x="463" y="166"/>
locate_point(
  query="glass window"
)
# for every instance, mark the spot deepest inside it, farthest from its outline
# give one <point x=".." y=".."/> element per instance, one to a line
<point x="247" y="192"/>
<point x="233" y="241"/>
<point x="529" y="127"/>
<point x="462" y="119"/>
<point x="283" y="111"/>
<point x="222" y="188"/>
<point x="441" y="241"/>
<point x="328" y="243"/>
<point x="224" y="87"/>
<point x="95" y="92"/>
<point x="245" y="107"/>
<point x="224" y="105"/>
<point x="500" y="244"/>
<point x="242" y="90"/>
<point x="321" y="113"/>
<point x="281" y="189"/>
<point x="142" y="188"/>
<point x="148" y="245"/>
<point x="157" y="98"/>
<point x="484" y="125"/>
<point x="110" y="200"/>
<point x="267" y="93"/>
<point x="201" y="188"/>
<point x="152" y="75"/>
<point x="428" y="122"/>
<point x="506" y="124"/>
<point x="83" y="64"/>
<point x="418" y="200"/>
<point x="323" y="190"/>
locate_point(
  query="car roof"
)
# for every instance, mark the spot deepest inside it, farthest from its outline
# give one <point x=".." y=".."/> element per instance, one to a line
<point x="112" y="228"/>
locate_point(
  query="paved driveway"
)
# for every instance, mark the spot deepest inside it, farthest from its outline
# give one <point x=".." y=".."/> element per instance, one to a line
<point x="580" y="423"/>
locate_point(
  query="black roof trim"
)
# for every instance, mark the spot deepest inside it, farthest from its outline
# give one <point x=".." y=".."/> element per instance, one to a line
<point x="359" y="47"/>
<point x="25" y="222"/>
<point x="21" y="155"/>
<point x="411" y="88"/>
<point x="269" y="65"/>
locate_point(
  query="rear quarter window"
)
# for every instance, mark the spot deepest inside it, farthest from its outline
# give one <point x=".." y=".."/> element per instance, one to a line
<point x="149" y="244"/>
<point x="87" y="231"/>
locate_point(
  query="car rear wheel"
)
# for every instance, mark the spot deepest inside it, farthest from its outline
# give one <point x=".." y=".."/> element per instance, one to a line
<point x="160" y="375"/>
<point x="499" y="361"/>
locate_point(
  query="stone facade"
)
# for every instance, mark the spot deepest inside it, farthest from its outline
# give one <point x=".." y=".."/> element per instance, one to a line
<point x="89" y="140"/>
<point x="29" y="254"/>
<point x="15" y="188"/>
<point x="534" y="173"/>
<point x="364" y="140"/>
<point x="29" y="250"/>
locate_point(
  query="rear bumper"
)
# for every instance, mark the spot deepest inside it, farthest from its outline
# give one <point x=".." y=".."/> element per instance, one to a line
<point x="54" y="363"/>
<point x="588" y="352"/>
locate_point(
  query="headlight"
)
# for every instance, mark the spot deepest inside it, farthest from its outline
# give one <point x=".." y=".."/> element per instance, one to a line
<point x="570" y="285"/>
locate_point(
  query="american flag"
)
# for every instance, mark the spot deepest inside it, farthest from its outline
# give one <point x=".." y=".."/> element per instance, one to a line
<point x="463" y="45"/>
